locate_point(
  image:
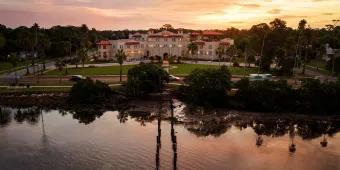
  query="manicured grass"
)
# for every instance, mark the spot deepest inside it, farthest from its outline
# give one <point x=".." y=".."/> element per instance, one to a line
<point x="111" y="70"/>
<point x="7" y="67"/>
<point x="318" y="63"/>
<point x="177" y="69"/>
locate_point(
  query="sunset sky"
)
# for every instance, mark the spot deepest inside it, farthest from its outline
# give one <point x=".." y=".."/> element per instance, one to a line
<point x="144" y="14"/>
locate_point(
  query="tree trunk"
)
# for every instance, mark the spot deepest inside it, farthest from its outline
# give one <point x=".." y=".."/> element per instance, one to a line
<point x="16" y="78"/>
<point x="27" y="70"/>
<point x="44" y="64"/>
<point x="66" y="70"/>
<point x="120" y="73"/>
<point x="304" y="63"/>
<point x="219" y="61"/>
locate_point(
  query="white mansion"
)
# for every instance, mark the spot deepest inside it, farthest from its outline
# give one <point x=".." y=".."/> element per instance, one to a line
<point x="140" y="46"/>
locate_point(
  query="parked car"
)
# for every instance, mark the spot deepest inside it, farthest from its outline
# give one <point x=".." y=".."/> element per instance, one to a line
<point x="174" y="78"/>
<point x="260" y="77"/>
<point x="77" y="78"/>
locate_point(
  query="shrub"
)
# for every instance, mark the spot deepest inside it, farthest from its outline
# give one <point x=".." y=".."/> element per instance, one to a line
<point x="89" y="92"/>
<point x="236" y="64"/>
<point x="329" y="65"/>
<point x="312" y="97"/>
<point x="207" y="87"/>
<point x="265" y="95"/>
<point x="320" y="97"/>
<point x="146" y="78"/>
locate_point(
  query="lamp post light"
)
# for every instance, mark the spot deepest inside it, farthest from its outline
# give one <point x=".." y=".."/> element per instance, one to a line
<point x="335" y="22"/>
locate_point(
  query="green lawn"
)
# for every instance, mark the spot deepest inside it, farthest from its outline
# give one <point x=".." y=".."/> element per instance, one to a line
<point x="6" y="66"/>
<point x="177" y="69"/>
<point x="318" y="63"/>
<point x="111" y="70"/>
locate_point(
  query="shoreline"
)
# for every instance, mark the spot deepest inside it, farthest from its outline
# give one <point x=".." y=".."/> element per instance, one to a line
<point x="61" y="100"/>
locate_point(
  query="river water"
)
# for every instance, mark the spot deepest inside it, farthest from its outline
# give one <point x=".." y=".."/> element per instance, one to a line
<point x="138" y="138"/>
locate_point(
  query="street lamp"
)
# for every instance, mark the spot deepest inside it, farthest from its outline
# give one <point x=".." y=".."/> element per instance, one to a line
<point x="263" y="41"/>
<point x="296" y="53"/>
<point x="335" y="22"/>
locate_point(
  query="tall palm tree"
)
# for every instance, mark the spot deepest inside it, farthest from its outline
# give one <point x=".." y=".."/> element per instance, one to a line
<point x="13" y="59"/>
<point x="220" y="51"/>
<point x="83" y="56"/>
<point x="59" y="64"/>
<point x="120" y="57"/>
<point x="308" y="39"/>
<point x="231" y="53"/>
<point x="193" y="48"/>
<point x="301" y="40"/>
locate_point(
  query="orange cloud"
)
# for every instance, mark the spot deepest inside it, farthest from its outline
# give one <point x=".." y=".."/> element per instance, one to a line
<point x="196" y="14"/>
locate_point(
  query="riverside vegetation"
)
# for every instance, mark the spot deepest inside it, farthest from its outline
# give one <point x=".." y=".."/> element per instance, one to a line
<point x="209" y="88"/>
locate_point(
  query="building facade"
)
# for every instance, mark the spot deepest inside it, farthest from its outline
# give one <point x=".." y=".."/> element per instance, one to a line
<point x="142" y="46"/>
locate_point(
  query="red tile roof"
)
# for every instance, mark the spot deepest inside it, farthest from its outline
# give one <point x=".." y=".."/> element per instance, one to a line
<point x="211" y="33"/>
<point x="104" y="42"/>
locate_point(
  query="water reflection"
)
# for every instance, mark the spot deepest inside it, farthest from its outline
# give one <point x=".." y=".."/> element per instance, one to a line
<point x="173" y="135"/>
<point x="30" y="115"/>
<point x="5" y="117"/>
<point x="157" y="142"/>
<point x="159" y="132"/>
<point x="202" y="123"/>
<point x="84" y="115"/>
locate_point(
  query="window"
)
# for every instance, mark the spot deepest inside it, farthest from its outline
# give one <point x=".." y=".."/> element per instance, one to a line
<point x="135" y="46"/>
<point x="210" y="46"/>
<point x="210" y="53"/>
<point x="165" y="39"/>
<point x="157" y="39"/>
<point x="142" y="45"/>
<point x="104" y="47"/>
<point x="121" y="47"/>
<point x="104" y="55"/>
<point x="173" y="39"/>
<point x="128" y="46"/>
<point x="113" y="46"/>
